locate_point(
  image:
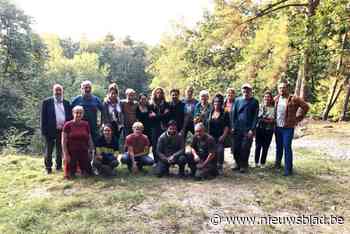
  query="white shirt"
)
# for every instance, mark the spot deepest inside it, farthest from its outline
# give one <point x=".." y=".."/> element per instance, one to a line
<point x="281" y="111"/>
<point x="60" y="114"/>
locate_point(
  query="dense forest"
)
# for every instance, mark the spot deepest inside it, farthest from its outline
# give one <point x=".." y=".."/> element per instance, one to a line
<point x="306" y="42"/>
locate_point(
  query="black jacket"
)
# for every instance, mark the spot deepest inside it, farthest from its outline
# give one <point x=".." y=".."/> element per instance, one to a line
<point x="48" y="116"/>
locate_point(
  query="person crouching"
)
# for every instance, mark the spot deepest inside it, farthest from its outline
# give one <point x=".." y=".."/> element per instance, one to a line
<point x="171" y="151"/>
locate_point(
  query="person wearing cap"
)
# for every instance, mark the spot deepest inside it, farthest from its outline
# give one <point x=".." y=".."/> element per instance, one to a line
<point x="129" y="107"/>
<point x="55" y="111"/>
<point x="203" y="159"/>
<point x="137" y="145"/>
<point x="289" y="111"/>
<point x="203" y="109"/>
<point x="91" y="104"/>
<point x="244" y="119"/>
<point x="171" y="151"/>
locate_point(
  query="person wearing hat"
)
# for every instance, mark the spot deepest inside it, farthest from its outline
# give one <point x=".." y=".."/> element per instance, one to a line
<point x="244" y="119"/>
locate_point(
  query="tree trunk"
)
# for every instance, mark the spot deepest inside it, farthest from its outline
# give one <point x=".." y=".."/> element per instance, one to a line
<point x="332" y="99"/>
<point x="346" y="102"/>
<point x="310" y="42"/>
<point x="299" y="80"/>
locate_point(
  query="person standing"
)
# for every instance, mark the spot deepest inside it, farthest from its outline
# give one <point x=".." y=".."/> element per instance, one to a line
<point x="228" y="107"/>
<point x="142" y="114"/>
<point x="203" y="109"/>
<point x="129" y="106"/>
<point x="171" y="151"/>
<point x="76" y="144"/>
<point x="244" y="117"/>
<point x="91" y="104"/>
<point x="218" y="128"/>
<point x="190" y="104"/>
<point x="290" y="110"/>
<point x="177" y="111"/>
<point x="264" y="129"/>
<point x="113" y="114"/>
<point x="159" y="117"/>
<point x="230" y="100"/>
<point x="55" y="111"/>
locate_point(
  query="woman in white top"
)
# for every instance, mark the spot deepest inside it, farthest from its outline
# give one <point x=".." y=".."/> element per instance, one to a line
<point x="264" y="129"/>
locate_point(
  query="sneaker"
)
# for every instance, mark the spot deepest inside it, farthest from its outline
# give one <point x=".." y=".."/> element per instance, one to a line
<point x="257" y="165"/>
<point x="262" y="166"/>
<point x="48" y="171"/>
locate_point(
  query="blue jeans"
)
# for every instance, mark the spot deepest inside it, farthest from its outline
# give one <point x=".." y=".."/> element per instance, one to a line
<point x="284" y="137"/>
<point x="143" y="160"/>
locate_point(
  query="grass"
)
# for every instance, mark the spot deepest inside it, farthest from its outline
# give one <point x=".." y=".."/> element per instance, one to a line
<point x="32" y="202"/>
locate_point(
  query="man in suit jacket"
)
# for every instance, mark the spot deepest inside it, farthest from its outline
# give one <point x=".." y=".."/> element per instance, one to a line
<point x="55" y="112"/>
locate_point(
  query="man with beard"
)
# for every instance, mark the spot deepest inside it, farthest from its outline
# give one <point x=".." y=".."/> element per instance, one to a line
<point x="171" y="151"/>
<point x="244" y="117"/>
<point x="289" y="111"/>
<point x="55" y="112"/>
<point x="177" y="111"/>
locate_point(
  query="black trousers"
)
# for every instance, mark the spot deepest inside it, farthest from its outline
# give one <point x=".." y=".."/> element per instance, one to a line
<point x="262" y="144"/>
<point x="50" y="144"/>
<point x="156" y="132"/>
<point x="241" y="148"/>
<point x="105" y="168"/>
<point x="163" y="167"/>
<point x="206" y="172"/>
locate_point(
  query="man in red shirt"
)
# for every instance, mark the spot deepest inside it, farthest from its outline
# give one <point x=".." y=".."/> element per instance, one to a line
<point x="137" y="145"/>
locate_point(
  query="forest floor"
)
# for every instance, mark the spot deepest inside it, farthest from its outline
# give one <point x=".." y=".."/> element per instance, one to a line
<point x="32" y="202"/>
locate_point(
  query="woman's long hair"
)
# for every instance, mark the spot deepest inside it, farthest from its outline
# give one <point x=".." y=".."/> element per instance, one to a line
<point x="154" y="98"/>
<point x="112" y="87"/>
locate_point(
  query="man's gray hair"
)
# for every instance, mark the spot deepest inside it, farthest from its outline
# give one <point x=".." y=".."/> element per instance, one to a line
<point x="85" y="82"/>
<point x="128" y="91"/>
<point x="57" y="86"/>
<point x="199" y="126"/>
<point x="204" y="93"/>
<point x="78" y="108"/>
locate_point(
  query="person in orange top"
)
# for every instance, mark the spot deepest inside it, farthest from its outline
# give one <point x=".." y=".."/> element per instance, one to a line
<point x="137" y="145"/>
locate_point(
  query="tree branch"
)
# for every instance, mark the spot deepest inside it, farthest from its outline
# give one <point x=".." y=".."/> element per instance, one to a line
<point x="265" y="12"/>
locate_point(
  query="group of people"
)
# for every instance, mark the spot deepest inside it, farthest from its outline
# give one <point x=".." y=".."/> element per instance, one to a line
<point x="132" y="127"/>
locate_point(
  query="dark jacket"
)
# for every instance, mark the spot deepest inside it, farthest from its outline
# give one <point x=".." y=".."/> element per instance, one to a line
<point x="245" y="114"/>
<point x="168" y="146"/>
<point x="107" y="118"/>
<point x="177" y="113"/>
<point x="48" y="116"/>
